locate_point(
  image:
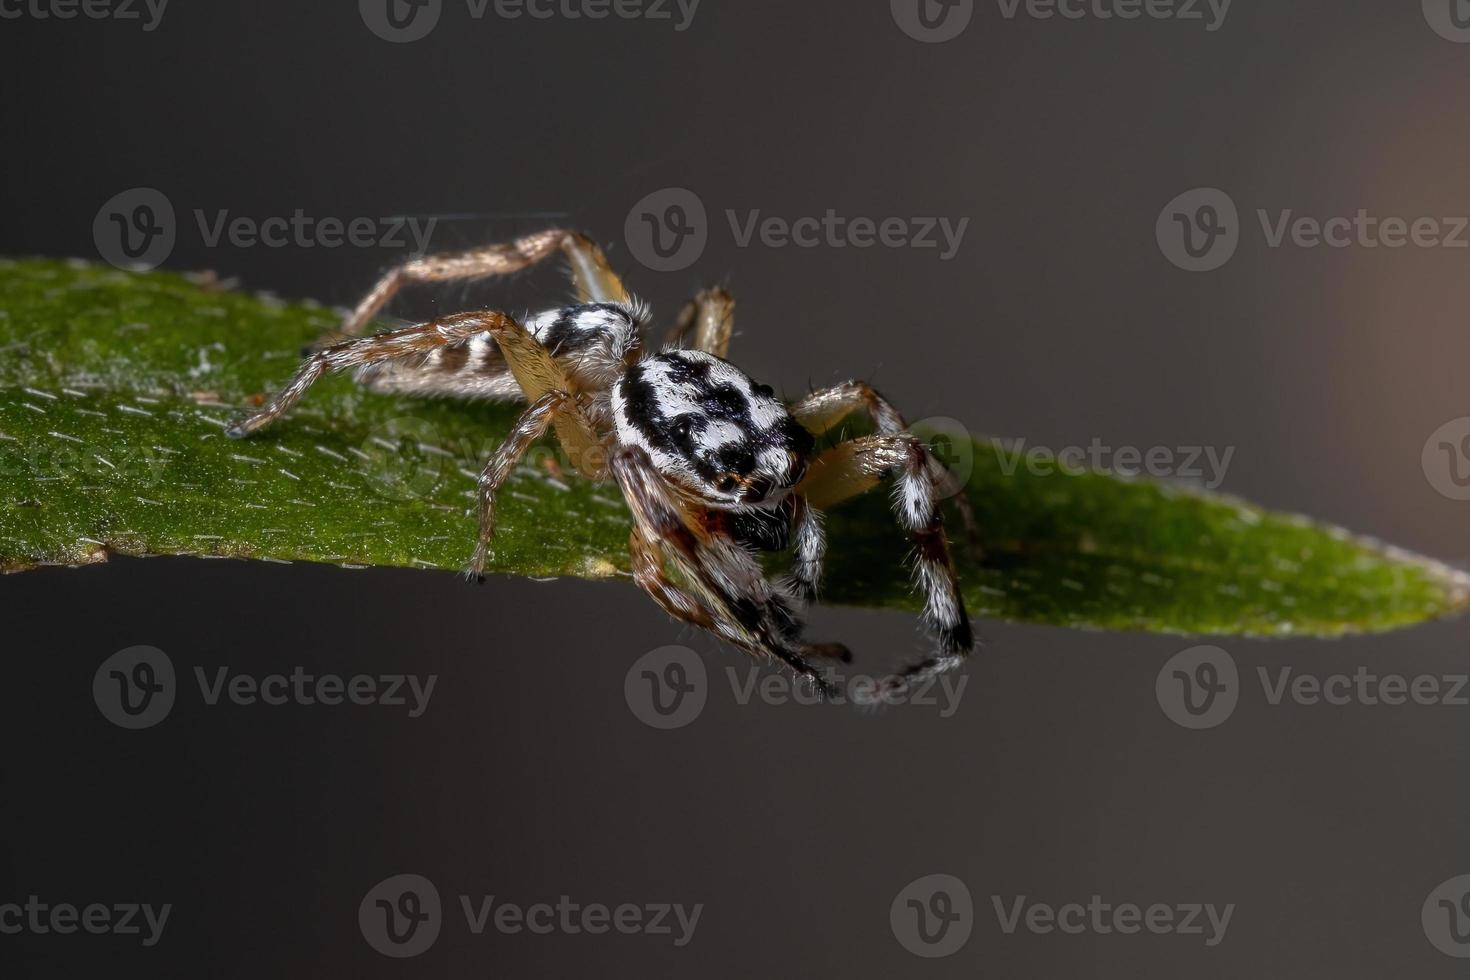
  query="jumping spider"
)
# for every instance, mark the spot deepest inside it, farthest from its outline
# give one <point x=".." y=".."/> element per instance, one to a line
<point x="712" y="465"/>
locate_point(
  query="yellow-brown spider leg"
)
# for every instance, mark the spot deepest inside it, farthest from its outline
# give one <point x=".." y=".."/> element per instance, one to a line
<point x="724" y="584"/>
<point x="533" y="423"/>
<point x="710" y="318"/>
<point x="532" y="365"/>
<point x="685" y="606"/>
<point x="593" y="278"/>
<point x="648" y="573"/>
<point x="856" y="466"/>
<point x="821" y="410"/>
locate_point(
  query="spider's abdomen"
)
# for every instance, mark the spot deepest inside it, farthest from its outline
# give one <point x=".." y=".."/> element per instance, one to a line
<point x="709" y="427"/>
<point x="611" y="327"/>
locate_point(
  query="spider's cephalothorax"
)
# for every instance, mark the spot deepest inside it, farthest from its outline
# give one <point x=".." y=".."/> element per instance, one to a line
<point x="713" y="466"/>
<point x="711" y="430"/>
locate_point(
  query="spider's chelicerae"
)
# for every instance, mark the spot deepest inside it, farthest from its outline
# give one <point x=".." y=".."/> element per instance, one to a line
<point x="712" y="465"/>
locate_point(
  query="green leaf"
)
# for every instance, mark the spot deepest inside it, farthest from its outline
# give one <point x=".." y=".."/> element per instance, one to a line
<point x="115" y="388"/>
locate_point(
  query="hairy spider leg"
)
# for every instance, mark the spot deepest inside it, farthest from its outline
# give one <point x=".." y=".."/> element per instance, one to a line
<point x="726" y="593"/>
<point x="854" y="467"/>
<point x="592" y="277"/>
<point x="710" y="318"/>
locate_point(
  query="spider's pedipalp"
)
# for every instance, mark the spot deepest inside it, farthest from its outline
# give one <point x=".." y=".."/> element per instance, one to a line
<point x="721" y="582"/>
<point x="809" y="549"/>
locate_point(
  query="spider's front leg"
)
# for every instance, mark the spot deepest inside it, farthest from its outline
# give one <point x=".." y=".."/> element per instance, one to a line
<point x="726" y="591"/>
<point x="821" y="410"/>
<point x="856" y="466"/>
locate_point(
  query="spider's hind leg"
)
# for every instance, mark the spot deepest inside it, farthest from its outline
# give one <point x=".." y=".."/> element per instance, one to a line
<point x="592" y="276"/>
<point x="706" y="322"/>
<point x="409" y="344"/>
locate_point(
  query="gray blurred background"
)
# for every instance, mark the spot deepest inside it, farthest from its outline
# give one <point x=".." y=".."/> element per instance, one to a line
<point x="1060" y="319"/>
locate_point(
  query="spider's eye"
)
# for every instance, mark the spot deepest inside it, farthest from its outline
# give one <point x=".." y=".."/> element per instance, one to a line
<point x="765" y="391"/>
<point x="757" y="489"/>
<point x="681" y="427"/>
<point x="726" y="483"/>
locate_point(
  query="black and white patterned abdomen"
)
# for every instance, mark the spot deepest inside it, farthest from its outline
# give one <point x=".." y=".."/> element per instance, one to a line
<point x="705" y="423"/>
